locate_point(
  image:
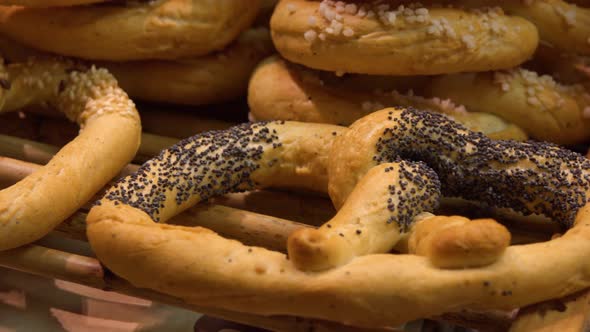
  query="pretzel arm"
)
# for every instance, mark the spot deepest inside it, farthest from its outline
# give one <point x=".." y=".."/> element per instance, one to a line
<point x="110" y="129"/>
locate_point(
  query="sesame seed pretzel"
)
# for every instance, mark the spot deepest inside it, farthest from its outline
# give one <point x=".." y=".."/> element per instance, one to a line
<point x="110" y="130"/>
<point x="383" y="39"/>
<point x="162" y="29"/>
<point x="282" y="91"/>
<point x="385" y="169"/>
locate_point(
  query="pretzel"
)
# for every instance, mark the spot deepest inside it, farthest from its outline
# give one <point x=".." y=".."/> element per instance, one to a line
<point x="282" y="91"/>
<point x="565" y="26"/>
<point x="209" y="79"/>
<point x="134" y="31"/>
<point x="407" y="40"/>
<point x="567" y="68"/>
<point x="374" y="289"/>
<point x="545" y="109"/>
<point x="110" y="130"/>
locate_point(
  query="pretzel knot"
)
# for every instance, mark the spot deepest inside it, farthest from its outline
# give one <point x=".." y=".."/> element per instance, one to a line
<point x="110" y="131"/>
<point x="385" y="174"/>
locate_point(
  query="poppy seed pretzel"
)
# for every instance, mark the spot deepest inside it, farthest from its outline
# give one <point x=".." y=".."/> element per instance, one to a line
<point x="164" y="30"/>
<point x="110" y="130"/>
<point x="370" y="290"/>
<point x="389" y="38"/>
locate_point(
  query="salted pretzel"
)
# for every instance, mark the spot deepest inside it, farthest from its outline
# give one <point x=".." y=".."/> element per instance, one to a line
<point x="116" y="31"/>
<point x="545" y="109"/>
<point x="282" y="91"/>
<point x="110" y="131"/>
<point x="563" y="25"/>
<point x="384" y="172"/>
<point x="387" y="39"/>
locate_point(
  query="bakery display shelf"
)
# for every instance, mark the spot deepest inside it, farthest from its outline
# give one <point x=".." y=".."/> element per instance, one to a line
<point x="229" y="216"/>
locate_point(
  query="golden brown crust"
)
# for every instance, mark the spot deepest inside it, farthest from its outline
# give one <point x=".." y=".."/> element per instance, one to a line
<point x="364" y="225"/>
<point x="392" y="42"/>
<point x="456" y="242"/>
<point x="214" y="78"/>
<point x="561" y="24"/>
<point x="545" y="109"/>
<point x="161" y="30"/>
<point x="280" y="91"/>
<point x="110" y="130"/>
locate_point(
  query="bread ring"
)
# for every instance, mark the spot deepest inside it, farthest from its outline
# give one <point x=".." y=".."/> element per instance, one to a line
<point x="196" y="81"/>
<point x="408" y="40"/>
<point x="110" y="130"/>
<point x="371" y="290"/>
<point x="282" y="91"/>
<point x="50" y="3"/>
<point x="545" y="109"/>
<point x="156" y="30"/>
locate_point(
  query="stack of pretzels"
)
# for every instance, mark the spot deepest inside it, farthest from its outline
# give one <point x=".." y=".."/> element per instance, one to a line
<point x="472" y="60"/>
<point x="177" y="52"/>
<point x="387" y="107"/>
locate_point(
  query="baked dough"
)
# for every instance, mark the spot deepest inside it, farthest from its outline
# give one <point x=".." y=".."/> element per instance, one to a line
<point x="108" y="140"/>
<point x="214" y="78"/>
<point x="373" y="290"/>
<point x="282" y="91"/>
<point x="165" y="29"/>
<point x="48" y="3"/>
<point x="563" y="25"/>
<point x="381" y="39"/>
<point x="543" y="108"/>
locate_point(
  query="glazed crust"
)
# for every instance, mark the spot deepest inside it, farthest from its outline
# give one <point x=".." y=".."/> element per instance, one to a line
<point x="165" y="29"/>
<point x="214" y="78"/>
<point x="201" y="267"/>
<point x="282" y="91"/>
<point x="110" y="130"/>
<point x="472" y="41"/>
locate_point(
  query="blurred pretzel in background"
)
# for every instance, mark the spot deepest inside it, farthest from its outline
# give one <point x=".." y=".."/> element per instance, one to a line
<point x="483" y="64"/>
<point x="382" y="174"/>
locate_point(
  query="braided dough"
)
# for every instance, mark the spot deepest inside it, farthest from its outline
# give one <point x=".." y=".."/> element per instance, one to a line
<point x="370" y="290"/>
<point x="545" y="109"/>
<point x="280" y="91"/>
<point x="156" y="30"/>
<point x="408" y="41"/>
<point x="209" y="79"/>
<point x="110" y="131"/>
